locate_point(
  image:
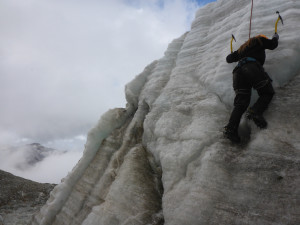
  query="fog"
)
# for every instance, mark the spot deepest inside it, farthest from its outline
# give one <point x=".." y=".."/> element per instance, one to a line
<point x="51" y="169"/>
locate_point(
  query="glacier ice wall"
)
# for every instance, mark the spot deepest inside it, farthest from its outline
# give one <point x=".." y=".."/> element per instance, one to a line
<point x="162" y="160"/>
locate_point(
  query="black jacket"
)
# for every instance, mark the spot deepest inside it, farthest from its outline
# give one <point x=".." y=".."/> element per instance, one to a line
<point x="257" y="50"/>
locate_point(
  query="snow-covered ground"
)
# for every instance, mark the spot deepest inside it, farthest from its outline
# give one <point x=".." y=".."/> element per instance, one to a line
<point x="163" y="159"/>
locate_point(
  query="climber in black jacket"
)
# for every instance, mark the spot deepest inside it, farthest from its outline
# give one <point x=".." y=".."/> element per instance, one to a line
<point x="247" y="74"/>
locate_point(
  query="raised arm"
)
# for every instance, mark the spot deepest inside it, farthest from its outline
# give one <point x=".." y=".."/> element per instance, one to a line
<point x="233" y="57"/>
<point x="270" y="43"/>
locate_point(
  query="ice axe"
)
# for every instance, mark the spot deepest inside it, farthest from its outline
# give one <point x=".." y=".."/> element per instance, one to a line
<point x="232" y="38"/>
<point x="279" y="18"/>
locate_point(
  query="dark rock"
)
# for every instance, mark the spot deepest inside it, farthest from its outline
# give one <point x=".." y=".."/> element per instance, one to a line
<point x="20" y="198"/>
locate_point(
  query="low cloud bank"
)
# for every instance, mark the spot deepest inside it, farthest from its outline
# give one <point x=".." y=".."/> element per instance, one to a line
<point x="50" y="169"/>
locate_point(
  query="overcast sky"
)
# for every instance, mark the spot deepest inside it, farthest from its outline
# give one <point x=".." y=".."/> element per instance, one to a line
<point x="63" y="63"/>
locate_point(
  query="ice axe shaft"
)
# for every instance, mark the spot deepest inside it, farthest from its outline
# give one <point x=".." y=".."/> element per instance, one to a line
<point x="232" y="38"/>
<point x="279" y="18"/>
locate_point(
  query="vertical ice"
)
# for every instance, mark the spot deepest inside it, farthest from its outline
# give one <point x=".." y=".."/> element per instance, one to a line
<point x="163" y="159"/>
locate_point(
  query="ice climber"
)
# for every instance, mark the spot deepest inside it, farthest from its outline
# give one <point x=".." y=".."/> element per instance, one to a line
<point x="248" y="74"/>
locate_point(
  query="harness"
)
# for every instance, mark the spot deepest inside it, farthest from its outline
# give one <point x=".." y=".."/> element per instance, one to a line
<point x="256" y="86"/>
<point x="244" y="61"/>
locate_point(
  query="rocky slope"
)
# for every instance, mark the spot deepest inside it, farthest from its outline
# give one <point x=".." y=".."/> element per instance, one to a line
<point x="20" y="198"/>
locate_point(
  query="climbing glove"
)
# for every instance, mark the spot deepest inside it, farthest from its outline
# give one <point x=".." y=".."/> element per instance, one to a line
<point x="276" y="36"/>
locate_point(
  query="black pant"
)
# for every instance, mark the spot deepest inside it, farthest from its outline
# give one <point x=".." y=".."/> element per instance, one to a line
<point x="250" y="75"/>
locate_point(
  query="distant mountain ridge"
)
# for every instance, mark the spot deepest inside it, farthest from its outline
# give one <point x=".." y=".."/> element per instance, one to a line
<point x="36" y="152"/>
<point x="28" y="155"/>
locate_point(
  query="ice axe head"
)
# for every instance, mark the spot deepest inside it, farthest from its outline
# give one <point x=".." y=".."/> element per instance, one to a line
<point x="233" y="37"/>
<point x="279" y="17"/>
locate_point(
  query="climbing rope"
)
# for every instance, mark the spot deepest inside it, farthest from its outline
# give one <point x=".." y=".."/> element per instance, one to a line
<point x="250" y="20"/>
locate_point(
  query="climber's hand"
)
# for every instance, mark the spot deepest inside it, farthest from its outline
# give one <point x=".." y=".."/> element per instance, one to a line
<point x="276" y="36"/>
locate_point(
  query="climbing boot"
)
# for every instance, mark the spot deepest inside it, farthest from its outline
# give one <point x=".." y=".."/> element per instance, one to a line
<point x="257" y="118"/>
<point x="231" y="134"/>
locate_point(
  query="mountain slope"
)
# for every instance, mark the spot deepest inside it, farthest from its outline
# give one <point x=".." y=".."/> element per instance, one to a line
<point x="163" y="159"/>
<point x="20" y="198"/>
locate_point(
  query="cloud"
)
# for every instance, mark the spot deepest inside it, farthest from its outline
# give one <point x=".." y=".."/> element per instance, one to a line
<point x="50" y="170"/>
<point x="53" y="168"/>
<point x="64" y="63"/>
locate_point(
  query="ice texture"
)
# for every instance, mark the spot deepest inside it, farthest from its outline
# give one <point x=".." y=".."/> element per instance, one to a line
<point x="162" y="160"/>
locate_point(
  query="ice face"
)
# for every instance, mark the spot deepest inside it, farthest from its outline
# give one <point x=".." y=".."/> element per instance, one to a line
<point x="168" y="143"/>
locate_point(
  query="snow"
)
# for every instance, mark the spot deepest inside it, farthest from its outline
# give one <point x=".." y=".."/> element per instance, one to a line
<point x="172" y="125"/>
